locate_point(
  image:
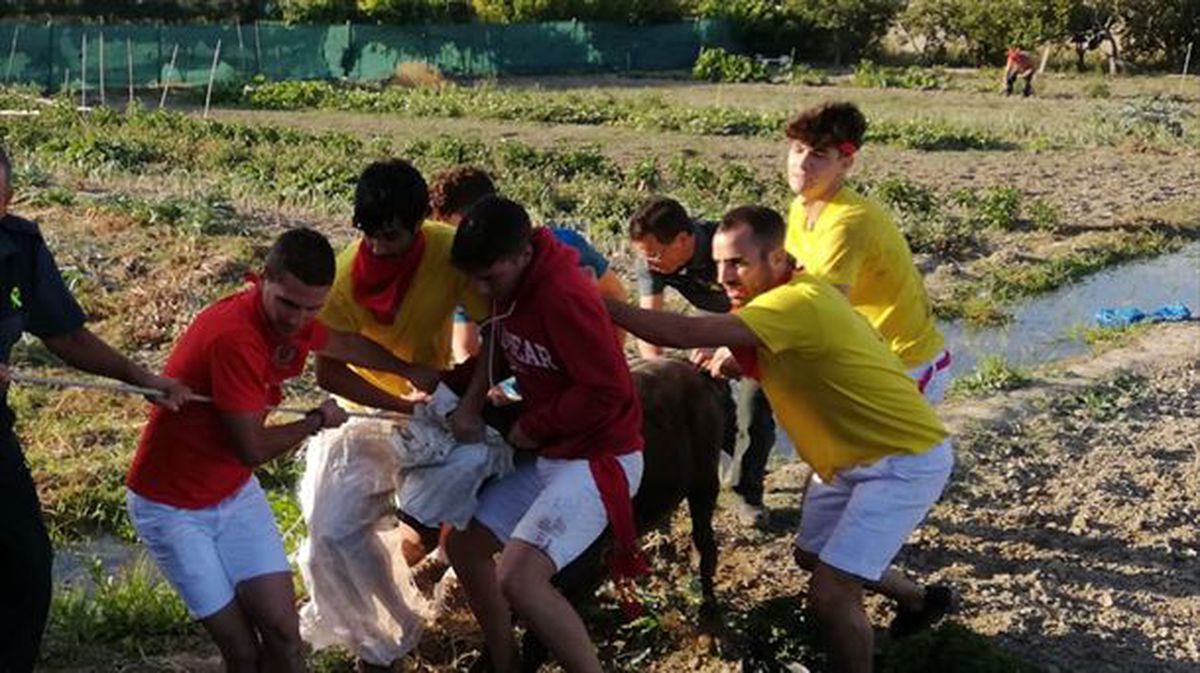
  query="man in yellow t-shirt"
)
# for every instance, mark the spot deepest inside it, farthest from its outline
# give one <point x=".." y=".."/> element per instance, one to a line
<point x="880" y="456"/>
<point x="851" y="242"/>
<point x="396" y="287"/>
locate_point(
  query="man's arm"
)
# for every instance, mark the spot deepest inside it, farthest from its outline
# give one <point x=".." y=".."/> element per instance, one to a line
<point x="337" y="378"/>
<point x="681" y="331"/>
<point x="256" y="444"/>
<point x="82" y="349"/>
<point x="356" y="349"/>
<point x="466" y="421"/>
<point x="653" y="302"/>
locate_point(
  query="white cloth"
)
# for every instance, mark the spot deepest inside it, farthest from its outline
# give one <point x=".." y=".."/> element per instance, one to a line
<point x="442" y="477"/>
<point x="205" y="553"/>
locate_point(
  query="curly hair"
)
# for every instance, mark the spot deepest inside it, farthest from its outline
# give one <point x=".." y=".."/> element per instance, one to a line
<point x="828" y="125"/>
<point x="457" y="189"/>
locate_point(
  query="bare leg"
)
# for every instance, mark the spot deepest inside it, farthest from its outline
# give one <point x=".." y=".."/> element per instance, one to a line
<point x="837" y="600"/>
<point x="894" y="584"/>
<point x="270" y="603"/>
<point x="235" y="637"/>
<point x="524" y="574"/>
<point x="471" y="553"/>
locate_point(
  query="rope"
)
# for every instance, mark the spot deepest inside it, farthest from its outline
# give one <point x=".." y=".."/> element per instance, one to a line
<point x="128" y="389"/>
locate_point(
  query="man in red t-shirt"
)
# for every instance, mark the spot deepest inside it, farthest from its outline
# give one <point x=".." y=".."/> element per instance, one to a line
<point x="192" y="495"/>
<point x="1019" y="63"/>
<point x="580" y="428"/>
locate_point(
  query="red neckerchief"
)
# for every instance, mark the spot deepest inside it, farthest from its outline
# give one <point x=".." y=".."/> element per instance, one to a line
<point x="379" y="283"/>
<point x="747" y="356"/>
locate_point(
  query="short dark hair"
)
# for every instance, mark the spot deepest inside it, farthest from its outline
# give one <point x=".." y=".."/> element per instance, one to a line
<point x="457" y="189"/>
<point x="304" y="253"/>
<point x="766" y="224"/>
<point x="390" y="193"/>
<point x="662" y="217"/>
<point x="493" y="229"/>
<point x="828" y="125"/>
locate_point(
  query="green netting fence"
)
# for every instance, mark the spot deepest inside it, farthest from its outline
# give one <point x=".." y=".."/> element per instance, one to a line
<point x="56" y="55"/>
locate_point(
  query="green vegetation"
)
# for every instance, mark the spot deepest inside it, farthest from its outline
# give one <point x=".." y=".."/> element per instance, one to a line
<point x="131" y="614"/>
<point x="992" y="374"/>
<point x="718" y="65"/>
<point x="646" y="113"/>
<point x="1105" y="401"/>
<point x="1148" y="120"/>
<point x="1102" y="338"/>
<point x="868" y="74"/>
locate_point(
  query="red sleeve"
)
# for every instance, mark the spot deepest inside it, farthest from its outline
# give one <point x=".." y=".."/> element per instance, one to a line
<point x="581" y="334"/>
<point x="239" y="377"/>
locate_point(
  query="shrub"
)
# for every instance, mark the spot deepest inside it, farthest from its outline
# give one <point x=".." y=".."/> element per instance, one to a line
<point x="622" y="11"/>
<point x="801" y="73"/>
<point x="414" y="74"/>
<point x="868" y="74"/>
<point x="718" y="65"/>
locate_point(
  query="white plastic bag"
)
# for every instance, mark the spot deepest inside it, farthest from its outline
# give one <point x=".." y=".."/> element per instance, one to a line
<point x="361" y="593"/>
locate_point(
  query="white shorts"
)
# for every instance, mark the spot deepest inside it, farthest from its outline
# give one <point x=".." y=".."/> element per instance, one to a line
<point x="552" y="504"/>
<point x="933" y="377"/>
<point x="858" y="521"/>
<point x="206" y="553"/>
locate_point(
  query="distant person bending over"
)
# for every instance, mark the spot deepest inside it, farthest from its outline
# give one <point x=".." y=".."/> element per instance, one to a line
<point x="1019" y="63"/>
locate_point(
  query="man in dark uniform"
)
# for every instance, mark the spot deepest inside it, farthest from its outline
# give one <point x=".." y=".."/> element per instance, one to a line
<point x="34" y="299"/>
<point x="676" y="251"/>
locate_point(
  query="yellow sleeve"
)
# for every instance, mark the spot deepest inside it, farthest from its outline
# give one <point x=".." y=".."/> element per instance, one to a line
<point x="795" y="222"/>
<point x="784" y="319"/>
<point x="842" y="248"/>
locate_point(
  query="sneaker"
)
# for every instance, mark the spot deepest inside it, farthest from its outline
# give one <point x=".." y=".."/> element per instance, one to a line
<point x="939" y="601"/>
<point x="750" y="514"/>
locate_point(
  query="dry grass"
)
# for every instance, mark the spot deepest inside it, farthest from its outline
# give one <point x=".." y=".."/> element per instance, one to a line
<point x="417" y="75"/>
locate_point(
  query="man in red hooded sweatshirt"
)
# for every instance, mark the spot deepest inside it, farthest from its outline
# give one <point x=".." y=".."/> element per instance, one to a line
<point x="581" y="428"/>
